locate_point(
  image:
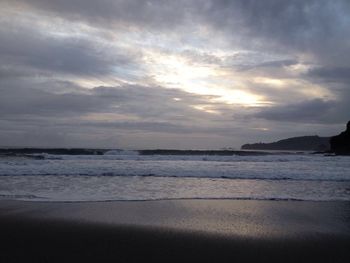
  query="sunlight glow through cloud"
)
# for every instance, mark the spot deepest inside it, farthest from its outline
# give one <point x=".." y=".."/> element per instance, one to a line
<point x="270" y="81"/>
<point x="175" y="72"/>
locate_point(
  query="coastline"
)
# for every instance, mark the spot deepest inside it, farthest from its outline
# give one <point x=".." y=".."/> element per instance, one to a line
<point x="175" y="231"/>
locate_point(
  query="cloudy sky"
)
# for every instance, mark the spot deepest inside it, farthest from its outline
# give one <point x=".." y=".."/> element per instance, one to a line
<point x="203" y="74"/>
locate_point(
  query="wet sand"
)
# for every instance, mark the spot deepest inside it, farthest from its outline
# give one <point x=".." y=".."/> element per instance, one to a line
<point x="175" y="231"/>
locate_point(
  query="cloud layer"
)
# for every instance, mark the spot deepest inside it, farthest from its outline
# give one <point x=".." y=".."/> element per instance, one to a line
<point x="171" y="74"/>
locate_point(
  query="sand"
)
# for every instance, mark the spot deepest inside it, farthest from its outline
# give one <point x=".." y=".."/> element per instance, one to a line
<point x="175" y="231"/>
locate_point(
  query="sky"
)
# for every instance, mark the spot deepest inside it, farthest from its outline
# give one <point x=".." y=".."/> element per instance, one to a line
<point x="186" y="74"/>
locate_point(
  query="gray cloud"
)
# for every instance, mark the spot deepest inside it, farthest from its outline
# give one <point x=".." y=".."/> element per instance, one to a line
<point x="108" y="13"/>
<point x="30" y="101"/>
<point x="269" y="64"/>
<point x="312" y="25"/>
<point x="40" y="100"/>
<point x="331" y="74"/>
<point x="56" y="117"/>
<point x="317" y="27"/>
<point x="27" y="49"/>
<point x="316" y="110"/>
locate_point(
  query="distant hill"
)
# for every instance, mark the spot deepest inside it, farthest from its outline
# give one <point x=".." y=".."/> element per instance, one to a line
<point x="304" y="143"/>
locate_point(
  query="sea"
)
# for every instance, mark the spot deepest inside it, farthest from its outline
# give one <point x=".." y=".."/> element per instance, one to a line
<point x="132" y="175"/>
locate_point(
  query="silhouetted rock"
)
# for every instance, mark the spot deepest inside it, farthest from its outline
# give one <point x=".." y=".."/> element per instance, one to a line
<point x="304" y="143"/>
<point x="340" y="144"/>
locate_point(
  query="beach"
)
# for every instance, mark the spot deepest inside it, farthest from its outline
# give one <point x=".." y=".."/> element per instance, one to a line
<point x="174" y="131"/>
<point x="175" y="231"/>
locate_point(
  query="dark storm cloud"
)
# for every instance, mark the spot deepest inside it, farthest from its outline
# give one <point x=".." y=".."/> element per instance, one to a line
<point x="57" y="116"/>
<point x="148" y="126"/>
<point x="152" y="102"/>
<point x="304" y="24"/>
<point x="27" y="49"/>
<point x="312" y="25"/>
<point x="24" y="100"/>
<point x="318" y="27"/>
<point x="316" y="110"/>
<point x="331" y="74"/>
<point x="50" y="99"/>
<point x="107" y="13"/>
<point x="337" y="79"/>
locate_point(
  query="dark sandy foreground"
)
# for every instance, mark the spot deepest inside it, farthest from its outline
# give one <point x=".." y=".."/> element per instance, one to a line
<point x="175" y="231"/>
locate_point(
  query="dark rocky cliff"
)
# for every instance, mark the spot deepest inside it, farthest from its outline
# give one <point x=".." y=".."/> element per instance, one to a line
<point x="340" y="144"/>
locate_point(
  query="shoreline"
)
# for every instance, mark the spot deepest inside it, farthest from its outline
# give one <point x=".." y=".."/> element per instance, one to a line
<point x="58" y="201"/>
<point x="176" y="231"/>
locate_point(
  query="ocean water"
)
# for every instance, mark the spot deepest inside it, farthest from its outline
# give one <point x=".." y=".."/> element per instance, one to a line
<point x="126" y="175"/>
